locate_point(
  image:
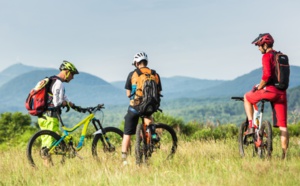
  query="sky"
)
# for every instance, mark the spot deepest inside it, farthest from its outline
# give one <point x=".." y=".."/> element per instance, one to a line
<point x="195" y="38"/>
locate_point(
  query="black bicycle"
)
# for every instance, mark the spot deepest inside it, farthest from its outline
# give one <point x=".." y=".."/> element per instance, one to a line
<point x="260" y="142"/>
<point x="159" y="138"/>
<point x="107" y="140"/>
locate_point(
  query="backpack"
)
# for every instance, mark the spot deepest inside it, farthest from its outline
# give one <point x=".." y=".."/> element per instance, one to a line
<point x="37" y="99"/>
<point x="282" y="71"/>
<point x="147" y="98"/>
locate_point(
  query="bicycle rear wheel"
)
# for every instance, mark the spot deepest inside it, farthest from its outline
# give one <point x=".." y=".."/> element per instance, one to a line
<point x="39" y="154"/>
<point x="140" y="146"/>
<point x="110" y="143"/>
<point x="265" y="134"/>
<point x="245" y="141"/>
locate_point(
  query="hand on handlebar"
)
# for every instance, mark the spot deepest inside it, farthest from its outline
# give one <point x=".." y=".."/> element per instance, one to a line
<point x="78" y="108"/>
<point x="255" y="88"/>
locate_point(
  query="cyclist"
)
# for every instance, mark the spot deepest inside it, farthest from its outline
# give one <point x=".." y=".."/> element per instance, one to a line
<point x="131" y="118"/>
<point x="266" y="90"/>
<point x="56" y="97"/>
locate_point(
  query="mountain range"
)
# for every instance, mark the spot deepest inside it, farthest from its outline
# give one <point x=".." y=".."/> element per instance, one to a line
<point x="86" y="89"/>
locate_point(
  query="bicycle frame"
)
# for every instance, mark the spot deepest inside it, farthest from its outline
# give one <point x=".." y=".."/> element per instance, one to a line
<point x="258" y="114"/>
<point x="85" y="122"/>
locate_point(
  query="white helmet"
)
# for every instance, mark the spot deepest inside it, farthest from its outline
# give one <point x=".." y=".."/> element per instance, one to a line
<point x="139" y="57"/>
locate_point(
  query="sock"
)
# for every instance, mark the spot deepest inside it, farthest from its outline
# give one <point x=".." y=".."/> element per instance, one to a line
<point x="124" y="155"/>
<point x="250" y="124"/>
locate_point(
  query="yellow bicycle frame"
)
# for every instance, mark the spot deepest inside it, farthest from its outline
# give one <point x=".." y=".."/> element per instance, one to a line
<point x="84" y="122"/>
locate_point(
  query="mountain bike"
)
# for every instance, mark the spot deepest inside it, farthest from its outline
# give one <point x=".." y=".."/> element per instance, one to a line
<point x="261" y="139"/>
<point x="159" y="138"/>
<point x="107" y="140"/>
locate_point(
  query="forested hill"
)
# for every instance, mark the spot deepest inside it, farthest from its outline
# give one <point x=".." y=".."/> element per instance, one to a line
<point x="89" y="90"/>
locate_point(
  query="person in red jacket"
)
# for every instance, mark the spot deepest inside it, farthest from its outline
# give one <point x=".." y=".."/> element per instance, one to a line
<point x="266" y="90"/>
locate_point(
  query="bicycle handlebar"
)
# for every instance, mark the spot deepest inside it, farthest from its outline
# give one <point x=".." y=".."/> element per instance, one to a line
<point x="238" y="98"/>
<point x="87" y="109"/>
<point x="92" y="109"/>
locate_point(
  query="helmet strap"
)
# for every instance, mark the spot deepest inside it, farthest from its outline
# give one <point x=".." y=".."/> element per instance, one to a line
<point x="67" y="74"/>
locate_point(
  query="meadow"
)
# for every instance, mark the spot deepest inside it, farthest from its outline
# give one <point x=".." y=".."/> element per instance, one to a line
<point x="195" y="163"/>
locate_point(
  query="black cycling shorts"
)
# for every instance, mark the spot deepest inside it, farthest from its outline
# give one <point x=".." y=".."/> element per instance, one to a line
<point x="131" y="121"/>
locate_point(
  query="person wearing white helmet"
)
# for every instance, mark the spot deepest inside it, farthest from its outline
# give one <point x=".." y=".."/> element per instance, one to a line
<point x="140" y="61"/>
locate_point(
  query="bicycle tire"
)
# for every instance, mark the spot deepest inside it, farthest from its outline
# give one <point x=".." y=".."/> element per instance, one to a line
<point x="165" y="148"/>
<point x="244" y="140"/>
<point x="266" y="137"/>
<point x="111" y="146"/>
<point x="140" y="146"/>
<point x="34" y="150"/>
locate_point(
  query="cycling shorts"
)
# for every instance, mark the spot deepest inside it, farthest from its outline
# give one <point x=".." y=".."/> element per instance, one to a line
<point x="131" y="121"/>
<point x="278" y="102"/>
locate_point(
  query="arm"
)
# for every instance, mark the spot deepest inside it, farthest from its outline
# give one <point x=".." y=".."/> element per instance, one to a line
<point x="58" y="93"/>
<point x="267" y="70"/>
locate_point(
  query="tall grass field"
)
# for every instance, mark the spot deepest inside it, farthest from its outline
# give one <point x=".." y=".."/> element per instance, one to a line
<point x="195" y="163"/>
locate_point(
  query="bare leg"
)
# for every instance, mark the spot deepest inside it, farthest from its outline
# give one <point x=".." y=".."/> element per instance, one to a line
<point x="284" y="136"/>
<point x="248" y="108"/>
<point x="125" y="145"/>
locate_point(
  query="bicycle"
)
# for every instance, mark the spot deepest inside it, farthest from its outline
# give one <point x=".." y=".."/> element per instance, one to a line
<point x="261" y="138"/>
<point x="106" y="139"/>
<point x="154" y="137"/>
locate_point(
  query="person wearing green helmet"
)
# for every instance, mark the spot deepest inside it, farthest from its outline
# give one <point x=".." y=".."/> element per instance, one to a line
<point x="56" y="97"/>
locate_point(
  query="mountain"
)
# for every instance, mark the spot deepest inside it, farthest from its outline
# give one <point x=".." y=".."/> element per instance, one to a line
<point x="179" y="86"/>
<point x="14" y="71"/>
<point x="185" y="87"/>
<point x="85" y="90"/>
<point x="88" y="90"/>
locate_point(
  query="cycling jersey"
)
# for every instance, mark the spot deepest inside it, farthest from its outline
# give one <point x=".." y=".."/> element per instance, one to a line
<point x="57" y="95"/>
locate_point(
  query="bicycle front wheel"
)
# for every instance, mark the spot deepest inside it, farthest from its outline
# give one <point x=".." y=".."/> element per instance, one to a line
<point x="164" y="147"/>
<point x="42" y="149"/>
<point x="245" y="140"/>
<point x="109" y="142"/>
<point x="167" y="144"/>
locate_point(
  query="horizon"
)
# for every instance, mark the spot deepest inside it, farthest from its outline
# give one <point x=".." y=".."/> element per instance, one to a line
<point x="174" y="76"/>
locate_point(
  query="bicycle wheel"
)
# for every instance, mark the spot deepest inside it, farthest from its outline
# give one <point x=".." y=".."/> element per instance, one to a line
<point x="110" y="143"/>
<point x="39" y="154"/>
<point x="245" y="141"/>
<point x="140" y="146"/>
<point x="265" y="134"/>
<point x="167" y="144"/>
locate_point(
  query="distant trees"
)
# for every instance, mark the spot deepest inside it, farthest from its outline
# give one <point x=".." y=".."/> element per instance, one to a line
<point x="15" y="128"/>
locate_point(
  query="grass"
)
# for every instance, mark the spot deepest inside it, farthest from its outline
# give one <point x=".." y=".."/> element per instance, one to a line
<point x="195" y="163"/>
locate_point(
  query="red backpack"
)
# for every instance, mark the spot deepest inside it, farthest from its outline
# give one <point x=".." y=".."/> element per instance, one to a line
<point x="37" y="100"/>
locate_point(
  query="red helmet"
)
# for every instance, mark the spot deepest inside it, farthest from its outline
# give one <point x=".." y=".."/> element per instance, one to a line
<point x="263" y="38"/>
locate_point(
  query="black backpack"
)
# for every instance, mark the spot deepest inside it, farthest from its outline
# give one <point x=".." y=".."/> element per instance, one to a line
<point x="282" y="71"/>
<point x="149" y="102"/>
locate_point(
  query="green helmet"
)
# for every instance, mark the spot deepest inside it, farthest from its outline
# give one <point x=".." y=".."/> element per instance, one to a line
<point x="66" y="65"/>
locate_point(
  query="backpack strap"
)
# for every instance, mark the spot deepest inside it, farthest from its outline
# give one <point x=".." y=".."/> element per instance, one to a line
<point x="139" y="72"/>
<point x="52" y="80"/>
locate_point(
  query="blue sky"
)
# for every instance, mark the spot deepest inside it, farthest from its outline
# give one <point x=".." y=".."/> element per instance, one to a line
<point x="194" y="38"/>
